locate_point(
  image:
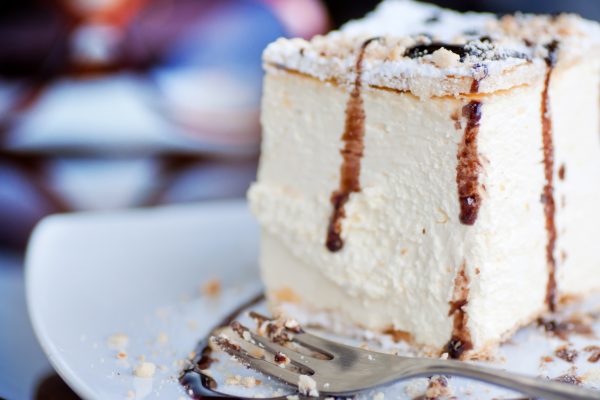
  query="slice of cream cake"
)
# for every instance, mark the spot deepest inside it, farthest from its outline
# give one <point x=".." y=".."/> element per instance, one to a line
<point x="432" y="174"/>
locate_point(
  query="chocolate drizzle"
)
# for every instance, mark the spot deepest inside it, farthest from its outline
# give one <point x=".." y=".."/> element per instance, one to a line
<point x="475" y="86"/>
<point x="482" y="71"/>
<point x="354" y="131"/>
<point x="467" y="170"/>
<point x="196" y="382"/>
<point x="461" y="337"/>
<point x="548" y="191"/>
<point x="425" y="49"/>
<point x="476" y="49"/>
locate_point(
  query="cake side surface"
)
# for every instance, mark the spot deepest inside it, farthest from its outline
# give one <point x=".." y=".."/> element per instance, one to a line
<point x="404" y="240"/>
<point x="507" y="243"/>
<point x="426" y="189"/>
<point x="387" y="228"/>
<point x="576" y="123"/>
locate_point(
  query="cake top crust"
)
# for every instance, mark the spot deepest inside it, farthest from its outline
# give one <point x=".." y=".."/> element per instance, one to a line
<point x="431" y="51"/>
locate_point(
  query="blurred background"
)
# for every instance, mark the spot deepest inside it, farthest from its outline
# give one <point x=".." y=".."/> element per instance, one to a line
<point x="111" y="104"/>
<point x="108" y="104"/>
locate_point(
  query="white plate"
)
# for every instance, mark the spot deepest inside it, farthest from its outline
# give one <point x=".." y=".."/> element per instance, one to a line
<point x="92" y="275"/>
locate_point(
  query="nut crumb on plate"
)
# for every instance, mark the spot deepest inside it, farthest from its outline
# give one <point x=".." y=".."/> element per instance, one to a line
<point x="162" y="338"/>
<point x="307" y="386"/>
<point x="118" y="341"/>
<point x="145" y="370"/>
<point x="438" y="387"/>
<point x="379" y="396"/>
<point x="212" y="288"/>
<point x="281" y="359"/>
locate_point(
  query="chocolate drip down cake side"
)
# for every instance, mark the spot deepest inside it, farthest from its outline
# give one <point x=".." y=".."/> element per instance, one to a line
<point x="431" y="173"/>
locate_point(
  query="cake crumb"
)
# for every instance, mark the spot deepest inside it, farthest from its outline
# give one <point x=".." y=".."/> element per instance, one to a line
<point x="286" y="295"/>
<point x="281" y="359"/>
<point x="247" y="336"/>
<point x="445" y="58"/>
<point x="121" y="355"/>
<point x="145" y="370"/>
<point x="118" y="341"/>
<point x="130" y="394"/>
<point x="307" y="386"/>
<point x="292" y="325"/>
<point x="257" y="352"/>
<point x="162" y="338"/>
<point x="566" y="354"/>
<point x="249" y="382"/>
<point x="438" y="388"/>
<point x="246" y="381"/>
<point x="212" y="288"/>
<point x="233" y="380"/>
<point x="379" y="396"/>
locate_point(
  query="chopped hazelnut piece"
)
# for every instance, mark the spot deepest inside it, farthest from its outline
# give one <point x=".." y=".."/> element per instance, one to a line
<point x="118" y="341"/>
<point x="444" y="58"/>
<point x="307" y="386"/>
<point x="212" y="288"/>
<point x="144" y="370"/>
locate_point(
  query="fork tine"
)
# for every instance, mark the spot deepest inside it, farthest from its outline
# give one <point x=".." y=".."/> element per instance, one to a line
<point x="293" y="355"/>
<point x="270" y="345"/>
<point x="313" y="342"/>
<point x="270" y="369"/>
<point x="321" y="345"/>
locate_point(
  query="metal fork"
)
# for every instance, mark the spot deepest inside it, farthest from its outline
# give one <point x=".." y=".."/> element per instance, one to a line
<point x="346" y="370"/>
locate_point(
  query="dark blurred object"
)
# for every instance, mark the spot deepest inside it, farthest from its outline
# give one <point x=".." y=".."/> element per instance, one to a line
<point x="342" y="11"/>
<point x="50" y="38"/>
<point x="110" y="104"/>
<point x="52" y="387"/>
<point x="34" y="185"/>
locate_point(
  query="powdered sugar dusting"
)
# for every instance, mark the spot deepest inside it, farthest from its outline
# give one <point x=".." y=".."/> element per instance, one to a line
<point x="511" y="49"/>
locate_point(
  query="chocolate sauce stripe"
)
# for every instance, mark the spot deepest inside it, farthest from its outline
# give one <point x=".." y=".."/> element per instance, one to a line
<point x="198" y="384"/>
<point x="548" y="191"/>
<point x="460" y="340"/>
<point x="353" y="138"/>
<point x="468" y="167"/>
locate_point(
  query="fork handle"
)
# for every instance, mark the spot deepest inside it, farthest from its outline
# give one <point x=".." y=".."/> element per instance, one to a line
<point x="549" y="390"/>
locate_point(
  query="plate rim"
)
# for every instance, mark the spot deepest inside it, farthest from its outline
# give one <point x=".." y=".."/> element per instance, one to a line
<point x="51" y="223"/>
